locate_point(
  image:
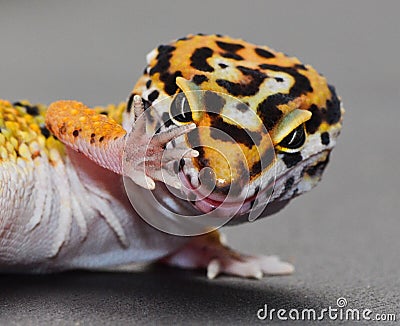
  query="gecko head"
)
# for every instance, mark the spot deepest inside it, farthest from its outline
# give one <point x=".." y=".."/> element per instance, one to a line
<point x="251" y="159"/>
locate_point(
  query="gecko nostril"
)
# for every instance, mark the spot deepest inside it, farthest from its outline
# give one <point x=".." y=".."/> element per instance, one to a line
<point x="207" y="178"/>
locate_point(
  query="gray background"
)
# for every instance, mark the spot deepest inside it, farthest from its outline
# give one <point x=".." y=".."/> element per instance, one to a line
<point x="343" y="237"/>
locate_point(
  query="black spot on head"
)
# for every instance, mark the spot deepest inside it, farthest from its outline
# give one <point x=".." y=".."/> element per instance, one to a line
<point x="315" y="121"/>
<point x="256" y="74"/>
<point x="264" y="53"/>
<point x="199" y="79"/>
<point x="163" y="57"/>
<point x="198" y="60"/>
<point x="300" y="66"/>
<point x="162" y="66"/>
<point x="153" y="96"/>
<point x="222" y="65"/>
<point x="76" y="133"/>
<point x="302" y="84"/>
<point x="214" y="103"/>
<point x="268" y="110"/>
<point x="234" y="89"/>
<point x="279" y="79"/>
<point x="325" y="138"/>
<point x="231" y="55"/>
<point x="148" y="84"/>
<point x="333" y="107"/>
<point x="244" y="89"/>
<point x="104" y="112"/>
<point x="230" y="47"/>
<point x="101" y="139"/>
<point x="45" y="131"/>
<point x="170" y="86"/>
<point x="291" y="159"/>
<point x="232" y="133"/>
<point x="164" y="49"/>
<point x="182" y="38"/>
<point x="92" y="135"/>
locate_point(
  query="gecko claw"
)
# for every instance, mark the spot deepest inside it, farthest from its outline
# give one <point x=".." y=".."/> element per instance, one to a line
<point x="213" y="269"/>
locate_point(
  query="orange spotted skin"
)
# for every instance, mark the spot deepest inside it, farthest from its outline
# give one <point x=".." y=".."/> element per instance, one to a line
<point x="276" y="87"/>
<point x="87" y="131"/>
<point x="72" y="120"/>
<point x="210" y="60"/>
<point x="236" y="67"/>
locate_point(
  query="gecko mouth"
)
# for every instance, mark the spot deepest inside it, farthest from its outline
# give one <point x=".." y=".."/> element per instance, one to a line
<point x="220" y="204"/>
<point x="237" y="205"/>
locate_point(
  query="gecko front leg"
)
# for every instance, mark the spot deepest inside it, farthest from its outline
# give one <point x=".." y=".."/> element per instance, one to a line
<point x="141" y="156"/>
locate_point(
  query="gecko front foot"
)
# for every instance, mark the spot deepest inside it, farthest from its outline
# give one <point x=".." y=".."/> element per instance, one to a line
<point x="208" y="251"/>
<point x="146" y="156"/>
<point x="139" y="155"/>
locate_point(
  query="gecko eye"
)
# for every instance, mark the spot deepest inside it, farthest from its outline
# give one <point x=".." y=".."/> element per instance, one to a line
<point x="180" y="109"/>
<point x="294" y="140"/>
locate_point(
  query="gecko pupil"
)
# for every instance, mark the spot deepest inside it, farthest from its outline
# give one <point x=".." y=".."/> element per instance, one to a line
<point x="295" y="139"/>
<point x="180" y="109"/>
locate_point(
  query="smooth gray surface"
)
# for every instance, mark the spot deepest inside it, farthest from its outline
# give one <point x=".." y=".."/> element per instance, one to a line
<point x="343" y="237"/>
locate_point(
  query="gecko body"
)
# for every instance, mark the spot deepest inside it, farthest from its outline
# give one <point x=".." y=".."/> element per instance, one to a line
<point x="62" y="197"/>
